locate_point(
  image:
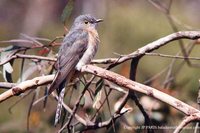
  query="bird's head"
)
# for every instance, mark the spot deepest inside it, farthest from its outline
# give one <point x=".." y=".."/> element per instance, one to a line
<point x="85" y="21"/>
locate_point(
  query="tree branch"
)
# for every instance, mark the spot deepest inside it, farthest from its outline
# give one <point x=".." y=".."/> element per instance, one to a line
<point x="26" y="85"/>
<point x="135" y="86"/>
<point x="172" y="56"/>
<point x="140" y="52"/>
<point x="15" y="56"/>
<point x="111" y="76"/>
<point x="153" y="46"/>
<point x="118" y="79"/>
<point x="187" y="120"/>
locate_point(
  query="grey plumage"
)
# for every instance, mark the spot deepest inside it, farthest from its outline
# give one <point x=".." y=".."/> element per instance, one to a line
<point x="69" y="55"/>
<point x="78" y="49"/>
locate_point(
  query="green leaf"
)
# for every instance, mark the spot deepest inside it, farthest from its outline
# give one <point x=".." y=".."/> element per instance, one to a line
<point x="97" y="100"/>
<point x="67" y="11"/>
<point x="99" y="85"/>
<point x="82" y="102"/>
<point x="9" y="48"/>
<point x="7" y="68"/>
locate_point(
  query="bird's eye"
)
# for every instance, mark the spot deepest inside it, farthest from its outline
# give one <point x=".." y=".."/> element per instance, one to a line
<point x="86" y="22"/>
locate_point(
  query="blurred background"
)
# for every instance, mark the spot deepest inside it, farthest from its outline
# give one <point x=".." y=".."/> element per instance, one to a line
<point x="128" y="25"/>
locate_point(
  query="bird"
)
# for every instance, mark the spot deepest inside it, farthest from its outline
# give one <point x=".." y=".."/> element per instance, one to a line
<point x="78" y="48"/>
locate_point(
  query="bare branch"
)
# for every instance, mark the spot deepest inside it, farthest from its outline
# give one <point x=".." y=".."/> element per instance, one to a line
<point x="80" y="119"/>
<point x="27" y="57"/>
<point x="172" y="56"/>
<point x="187" y="120"/>
<point x="26" y="85"/>
<point x="113" y="77"/>
<point x="166" y="11"/>
<point x="138" y="53"/>
<point x="135" y="86"/>
<point x="32" y="39"/>
<point x="118" y="79"/>
<point x="76" y="106"/>
<point x="7" y="85"/>
<point x="105" y="123"/>
<point x="154" y="45"/>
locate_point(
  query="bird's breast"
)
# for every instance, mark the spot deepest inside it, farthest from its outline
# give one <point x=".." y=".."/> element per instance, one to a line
<point x="92" y="46"/>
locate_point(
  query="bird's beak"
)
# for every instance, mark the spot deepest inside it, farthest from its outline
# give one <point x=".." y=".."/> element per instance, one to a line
<point x="99" y="20"/>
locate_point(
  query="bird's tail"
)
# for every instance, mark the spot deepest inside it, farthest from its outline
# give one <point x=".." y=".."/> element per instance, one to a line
<point x="59" y="85"/>
<point x="59" y="106"/>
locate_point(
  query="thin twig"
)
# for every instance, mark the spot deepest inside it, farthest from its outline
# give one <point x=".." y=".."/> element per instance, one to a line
<point x="135" y="86"/>
<point x="76" y="106"/>
<point x="107" y="101"/>
<point x="15" y="56"/>
<point x="80" y="119"/>
<point x="19" y="100"/>
<point x="187" y="120"/>
<point x="172" y="56"/>
<point x="32" y="39"/>
<point x="105" y="123"/>
<point x="97" y="111"/>
<point x="7" y="85"/>
<point x="29" y="111"/>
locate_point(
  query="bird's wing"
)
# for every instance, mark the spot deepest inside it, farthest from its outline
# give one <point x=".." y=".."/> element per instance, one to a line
<point x="72" y="49"/>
